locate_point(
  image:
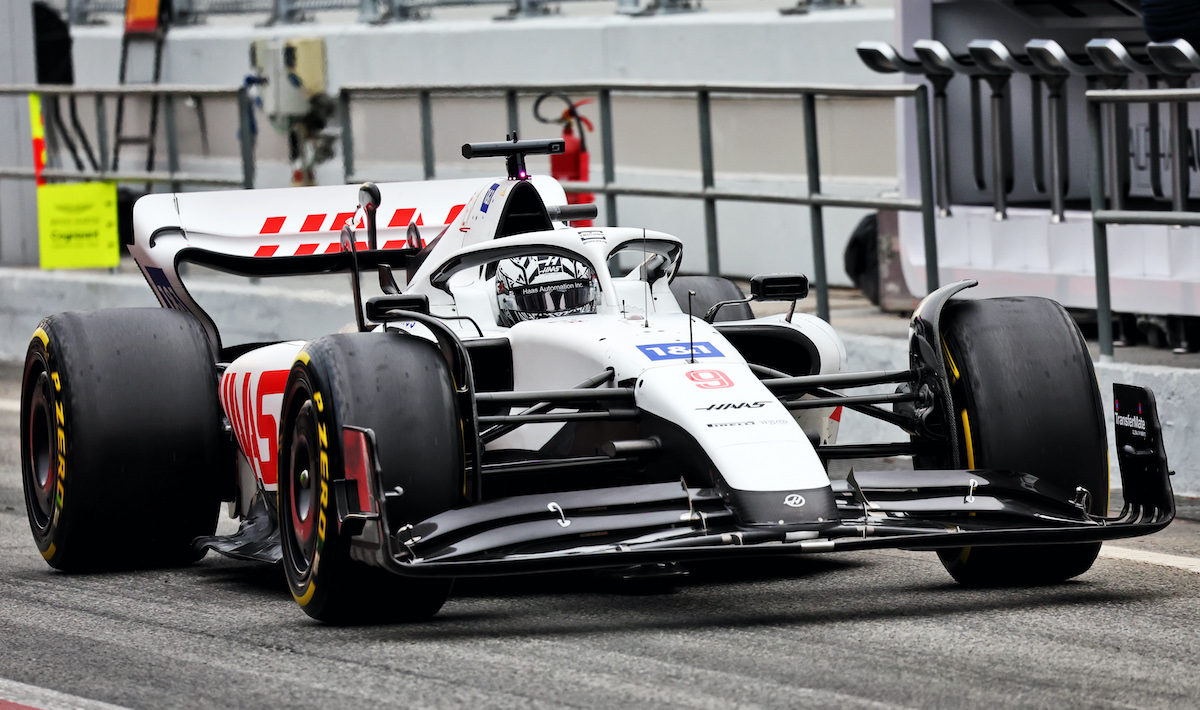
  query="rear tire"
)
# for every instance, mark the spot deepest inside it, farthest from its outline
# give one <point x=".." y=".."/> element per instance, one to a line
<point x="1026" y="400"/>
<point x="122" y="450"/>
<point x="400" y="387"/>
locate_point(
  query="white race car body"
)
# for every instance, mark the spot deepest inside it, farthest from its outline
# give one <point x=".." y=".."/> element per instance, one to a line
<point x="449" y="433"/>
<point x="686" y="371"/>
<point x="541" y="397"/>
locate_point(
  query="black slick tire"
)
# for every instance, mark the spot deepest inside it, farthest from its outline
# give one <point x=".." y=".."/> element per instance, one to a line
<point x="1027" y="400"/>
<point x="122" y="450"/>
<point x="400" y="387"/>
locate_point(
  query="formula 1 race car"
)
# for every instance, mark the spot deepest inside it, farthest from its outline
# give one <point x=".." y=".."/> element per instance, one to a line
<point x="544" y="397"/>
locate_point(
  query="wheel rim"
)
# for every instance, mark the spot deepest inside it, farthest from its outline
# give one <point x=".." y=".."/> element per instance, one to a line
<point x="38" y="468"/>
<point x="301" y="483"/>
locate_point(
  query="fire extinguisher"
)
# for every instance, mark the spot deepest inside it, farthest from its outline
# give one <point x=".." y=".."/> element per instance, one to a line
<point x="572" y="165"/>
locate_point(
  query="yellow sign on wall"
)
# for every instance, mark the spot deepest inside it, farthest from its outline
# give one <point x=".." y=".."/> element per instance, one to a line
<point x="77" y="226"/>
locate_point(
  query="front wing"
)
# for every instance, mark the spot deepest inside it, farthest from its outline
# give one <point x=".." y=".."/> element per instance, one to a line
<point x="660" y="522"/>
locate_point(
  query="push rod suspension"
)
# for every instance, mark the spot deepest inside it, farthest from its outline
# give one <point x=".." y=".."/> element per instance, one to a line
<point x="867" y="451"/>
<point x="495" y="432"/>
<point x="607" y="414"/>
<point x="847" y="401"/>
<point x="807" y="383"/>
<point x="556" y="396"/>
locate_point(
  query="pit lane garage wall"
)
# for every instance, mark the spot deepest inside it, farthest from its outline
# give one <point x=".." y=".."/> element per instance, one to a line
<point x="758" y="149"/>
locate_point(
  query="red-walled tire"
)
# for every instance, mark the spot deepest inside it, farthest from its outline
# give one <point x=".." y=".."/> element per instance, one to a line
<point x="400" y="387"/>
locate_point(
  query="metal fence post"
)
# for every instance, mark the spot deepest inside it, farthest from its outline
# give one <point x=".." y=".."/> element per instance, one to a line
<point x="704" y="110"/>
<point x="281" y="12"/>
<point x="606" y="143"/>
<point x="1179" y="167"/>
<point x="928" y="222"/>
<point x="1100" y="233"/>
<point x="514" y="114"/>
<point x="246" y="136"/>
<point x="816" y="218"/>
<point x="101" y="131"/>
<point x="172" y="139"/>
<point x="1116" y="194"/>
<point x="347" y="136"/>
<point x="427" y="134"/>
<point x="77" y="13"/>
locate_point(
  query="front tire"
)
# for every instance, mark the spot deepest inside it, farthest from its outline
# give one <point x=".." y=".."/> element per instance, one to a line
<point x="122" y="451"/>
<point x="400" y="387"/>
<point x="1026" y="400"/>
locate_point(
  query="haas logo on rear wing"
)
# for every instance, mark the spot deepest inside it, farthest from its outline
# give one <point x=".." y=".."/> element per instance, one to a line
<point x="315" y="223"/>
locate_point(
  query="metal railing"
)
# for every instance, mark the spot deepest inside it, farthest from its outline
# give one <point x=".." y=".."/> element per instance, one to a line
<point x="813" y="197"/>
<point x="81" y="12"/>
<point x="1102" y="216"/>
<point x="106" y="140"/>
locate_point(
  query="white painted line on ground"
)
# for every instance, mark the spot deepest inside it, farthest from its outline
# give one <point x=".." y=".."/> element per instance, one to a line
<point x="10" y="405"/>
<point x="1191" y="564"/>
<point x="19" y="695"/>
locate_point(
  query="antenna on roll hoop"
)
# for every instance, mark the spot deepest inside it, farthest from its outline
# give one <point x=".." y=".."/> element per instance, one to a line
<point x="646" y="279"/>
<point x="691" y="340"/>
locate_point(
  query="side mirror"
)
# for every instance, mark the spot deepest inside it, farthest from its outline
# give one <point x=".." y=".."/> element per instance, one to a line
<point x="383" y="309"/>
<point x="368" y="196"/>
<point x="654" y="269"/>
<point x="779" y="287"/>
<point x="368" y="200"/>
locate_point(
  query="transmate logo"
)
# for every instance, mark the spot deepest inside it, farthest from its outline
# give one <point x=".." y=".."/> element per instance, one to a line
<point x="795" y="500"/>
<point x="710" y="379"/>
<point x="1131" y="421"/>
<point x="679" y="351"/>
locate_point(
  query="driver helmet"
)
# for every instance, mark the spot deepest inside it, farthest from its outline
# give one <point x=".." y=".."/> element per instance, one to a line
<point x="532" y="287"/>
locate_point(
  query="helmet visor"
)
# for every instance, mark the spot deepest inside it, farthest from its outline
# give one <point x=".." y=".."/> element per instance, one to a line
<point x="553" y="297"/>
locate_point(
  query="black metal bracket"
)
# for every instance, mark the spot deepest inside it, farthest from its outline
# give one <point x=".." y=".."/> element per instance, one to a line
<point x="926" y="357"/>
<point x="515" y="151"/>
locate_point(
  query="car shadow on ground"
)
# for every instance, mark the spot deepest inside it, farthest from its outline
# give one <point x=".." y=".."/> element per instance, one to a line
<point x="253" y="578"/>
<point x="597" y="615"/>
<point x="774" y="592"/>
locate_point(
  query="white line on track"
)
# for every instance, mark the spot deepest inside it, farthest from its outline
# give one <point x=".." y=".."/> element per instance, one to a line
<point x="1191" y="564"/>
<point x="19" y="695"/>
<point x="10" y="405"/>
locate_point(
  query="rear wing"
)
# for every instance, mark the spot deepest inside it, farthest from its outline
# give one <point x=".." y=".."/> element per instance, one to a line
<point x="296" y="231"/>
<point x="301" y="221"/>
<point x="282" y="232"/>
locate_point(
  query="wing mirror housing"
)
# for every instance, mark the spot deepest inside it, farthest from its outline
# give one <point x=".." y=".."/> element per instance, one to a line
<point x="383" y="309"/>
<point x="769" y="287"/>
<point x="779" y="287"/>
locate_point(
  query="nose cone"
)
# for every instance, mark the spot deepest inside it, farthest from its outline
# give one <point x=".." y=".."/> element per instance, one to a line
<point x="808" y="509"/>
